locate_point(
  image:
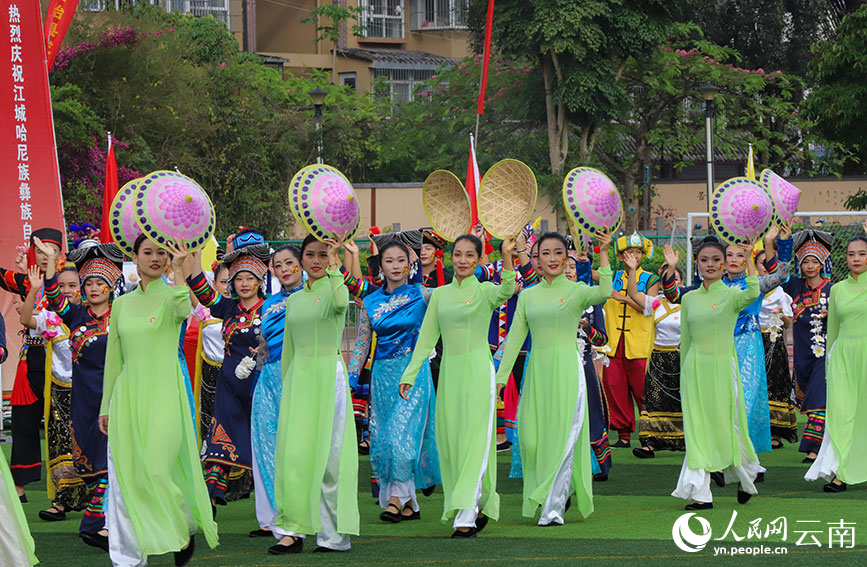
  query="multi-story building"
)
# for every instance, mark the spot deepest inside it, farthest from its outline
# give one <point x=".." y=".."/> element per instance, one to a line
<point x="402" y="41"/>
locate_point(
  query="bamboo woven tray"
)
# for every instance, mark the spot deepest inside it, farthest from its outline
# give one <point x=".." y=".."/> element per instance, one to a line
<point x="507" y="198"/>
<point x="446" y="204"/>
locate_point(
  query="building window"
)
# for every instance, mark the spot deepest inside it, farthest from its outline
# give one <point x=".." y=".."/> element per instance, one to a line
<point x="402" y="82"/>
<point x="217" y="8"/>
<point x="382" y="18"/>
<point x="348" y="80"/>
<point x="439" y="14"/>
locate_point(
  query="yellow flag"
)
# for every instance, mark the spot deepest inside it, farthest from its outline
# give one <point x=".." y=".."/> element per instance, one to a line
<point x="751" y="168"/>
<point x="209" y="254"/>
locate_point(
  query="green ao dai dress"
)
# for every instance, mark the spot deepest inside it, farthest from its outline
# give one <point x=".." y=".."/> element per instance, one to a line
<point x="843" y="452"/>
<point x="553" y="409"/>
<point x="316" y="460"/>
<point x="714" y="413"/>
<point x="158" y="493"/>
<point x="466" y="394"/>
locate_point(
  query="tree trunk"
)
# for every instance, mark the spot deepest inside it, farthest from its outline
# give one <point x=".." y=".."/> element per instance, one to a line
<point x="558" y="131"/>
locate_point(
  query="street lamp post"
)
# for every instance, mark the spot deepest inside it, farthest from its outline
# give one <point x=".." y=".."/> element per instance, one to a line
<point x="318" y="96"/>
<point x="708" y="92"/>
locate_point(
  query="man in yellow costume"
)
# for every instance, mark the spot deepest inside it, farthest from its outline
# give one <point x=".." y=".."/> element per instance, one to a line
<point x="630" y="340"/>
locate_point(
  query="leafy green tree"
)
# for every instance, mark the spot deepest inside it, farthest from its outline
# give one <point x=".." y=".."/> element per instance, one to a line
<point x="836" y="102"/>
<point x="664" y="114"/>
<point x="329" y="20"/>
<point x="180" y="94"/>
<point x="579" y="50"/>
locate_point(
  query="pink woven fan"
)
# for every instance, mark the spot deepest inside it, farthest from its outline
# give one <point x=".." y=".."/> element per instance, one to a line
<point x="741" y="210"/>
<point x="324" y="202"/>
<point x="592" y="200"/>
<point x="784" y="194"/>
<point x="123" y="222"/>
<point x="171" y="207"/>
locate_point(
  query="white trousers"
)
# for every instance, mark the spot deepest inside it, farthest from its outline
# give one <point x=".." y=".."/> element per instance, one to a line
<point x="694" y="484"/>
<point x="328" y="535"/>
<point x="467" y="518"/>
<point x="555" y="503"/>
<point x="123" y="546"/>
<point x="827" y="462"/>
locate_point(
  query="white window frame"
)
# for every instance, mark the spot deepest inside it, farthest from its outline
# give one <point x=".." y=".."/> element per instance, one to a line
<point x="449" y="9"/>
<point x="377" y="12"/>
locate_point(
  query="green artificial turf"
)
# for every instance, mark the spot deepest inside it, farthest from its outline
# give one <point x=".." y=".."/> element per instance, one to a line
<point x="632" y="522"/>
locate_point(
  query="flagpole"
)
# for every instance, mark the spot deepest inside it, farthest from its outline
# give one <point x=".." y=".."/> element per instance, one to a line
<point x="486" y="57"/>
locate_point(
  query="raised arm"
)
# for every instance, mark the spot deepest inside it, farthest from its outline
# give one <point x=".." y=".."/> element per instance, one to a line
<point x="631" y="264"/>
<point x="428" y="336"/>
<point x="35" y="279"/>
<point x="746" y="296"/>
<point x="181" y="304"/>
<point x="13" y="282"/>
<point x="361" y="350"/>
<point x="358" y="287"/>
<point x="339" y="293"/>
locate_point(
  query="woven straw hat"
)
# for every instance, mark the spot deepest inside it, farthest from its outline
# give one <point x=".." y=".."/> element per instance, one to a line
<point x="507" y="198"/>
<point x="446" y="204"/>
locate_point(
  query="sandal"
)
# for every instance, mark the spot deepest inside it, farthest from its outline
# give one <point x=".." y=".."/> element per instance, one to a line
<point x="413" y="515"/>
<point x="391" y="517"/>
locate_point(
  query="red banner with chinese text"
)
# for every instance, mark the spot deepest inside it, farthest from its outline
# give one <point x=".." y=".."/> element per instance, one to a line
<point x="57" y="21"/>
<point x="29" y="173"/>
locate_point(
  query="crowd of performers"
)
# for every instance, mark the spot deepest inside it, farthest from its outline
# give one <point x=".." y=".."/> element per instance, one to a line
<point x="188" y="389"/>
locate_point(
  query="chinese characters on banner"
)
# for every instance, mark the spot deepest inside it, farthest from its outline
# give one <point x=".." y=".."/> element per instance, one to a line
<point x="57" y="21"/>
<point x="28" y="153"/>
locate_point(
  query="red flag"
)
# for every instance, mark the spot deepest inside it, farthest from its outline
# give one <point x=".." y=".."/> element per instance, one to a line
<point x="111" y="188"/>
<point x="480" y="109"/>
<point x="473" y="181"/>
<point x="28" y="152"/>
<point x="57" y="21"/>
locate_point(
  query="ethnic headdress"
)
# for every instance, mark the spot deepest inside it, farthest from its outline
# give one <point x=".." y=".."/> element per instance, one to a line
<point x="248" y="241"/>
<point x="815" y="243"/>
<point x="94" y="260"/>
<point x="246" y="263"/>
<point x="634" y="240"/>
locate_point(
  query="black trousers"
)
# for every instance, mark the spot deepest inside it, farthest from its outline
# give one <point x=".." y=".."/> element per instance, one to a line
<point x="26" y="462"/>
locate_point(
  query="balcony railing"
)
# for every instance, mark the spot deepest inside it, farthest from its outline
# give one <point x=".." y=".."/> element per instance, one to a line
<point x="382" y="18"/>
<point x="439" y="14"/>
